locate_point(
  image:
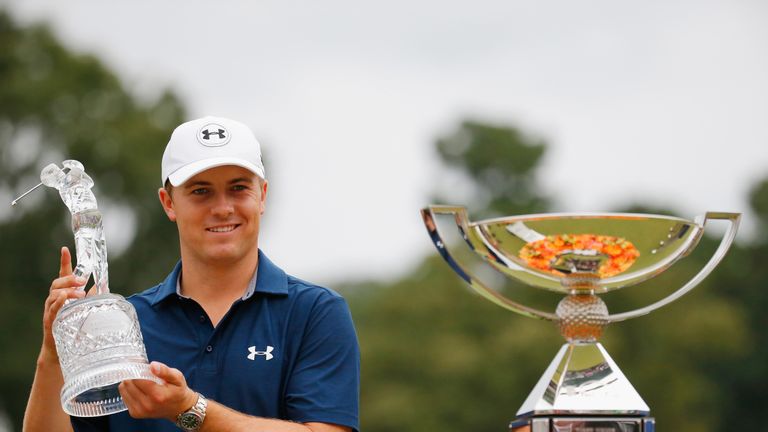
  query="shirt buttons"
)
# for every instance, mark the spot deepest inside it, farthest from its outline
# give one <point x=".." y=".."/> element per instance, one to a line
<point x="202" y="318"/>
<point x="209" y="348"/>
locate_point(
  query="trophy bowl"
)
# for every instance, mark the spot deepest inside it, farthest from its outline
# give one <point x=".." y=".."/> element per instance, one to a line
<point x="579" y="256"/>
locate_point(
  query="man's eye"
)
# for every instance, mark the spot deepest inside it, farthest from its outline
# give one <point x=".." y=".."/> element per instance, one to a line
<point x="239" y="187"/>
<point x="199" y="191"/>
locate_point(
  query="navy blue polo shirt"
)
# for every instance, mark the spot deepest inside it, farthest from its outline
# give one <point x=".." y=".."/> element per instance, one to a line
<point x="286" y="350"/>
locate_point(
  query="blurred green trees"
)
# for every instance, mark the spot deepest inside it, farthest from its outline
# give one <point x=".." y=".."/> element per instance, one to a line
<point x="499" y="163"/>
<point x="435" y="356"/>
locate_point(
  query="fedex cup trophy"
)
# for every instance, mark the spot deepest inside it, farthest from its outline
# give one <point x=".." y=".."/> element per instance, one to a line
<point x="98" y="338"/>
<point x="579" y="255"/>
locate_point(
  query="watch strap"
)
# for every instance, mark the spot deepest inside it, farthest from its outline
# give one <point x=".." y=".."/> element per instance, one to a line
<point x="191" y="419"/>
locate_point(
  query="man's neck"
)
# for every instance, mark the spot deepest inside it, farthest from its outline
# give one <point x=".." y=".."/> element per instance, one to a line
<point x="215" y="285"/>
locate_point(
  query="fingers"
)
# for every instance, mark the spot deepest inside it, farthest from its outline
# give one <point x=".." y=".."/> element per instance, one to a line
<point x="169" y="375"/>
<point x="65" y="266"/>
<point x="65" y="287"/>
<point x="133" y="398"/>
<point x="67" y="293"/>
<point x="53" y="303"/>
<point x="66" y="279"/>
<point x="147" y="399"/>
<point x="144" y="399"/>
<point x="56" y="300"/>
<point x="70" y="281"/>
<point x="132" y="394"/>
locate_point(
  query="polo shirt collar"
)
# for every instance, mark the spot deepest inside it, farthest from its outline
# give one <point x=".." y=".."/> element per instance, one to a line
<point x="248" y="291"/>
<point x="268" y="278"/>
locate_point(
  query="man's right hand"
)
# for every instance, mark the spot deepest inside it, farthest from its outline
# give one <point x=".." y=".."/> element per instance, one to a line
<point x="66" y="286"/>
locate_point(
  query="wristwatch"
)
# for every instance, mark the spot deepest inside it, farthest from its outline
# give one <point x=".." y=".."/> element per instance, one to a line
<point x="191" y="419"/>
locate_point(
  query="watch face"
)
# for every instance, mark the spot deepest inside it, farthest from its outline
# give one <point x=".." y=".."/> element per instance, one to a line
<point x="190" y="421"/>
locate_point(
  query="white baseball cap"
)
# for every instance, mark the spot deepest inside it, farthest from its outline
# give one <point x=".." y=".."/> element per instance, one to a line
<point x="209" y="142"/>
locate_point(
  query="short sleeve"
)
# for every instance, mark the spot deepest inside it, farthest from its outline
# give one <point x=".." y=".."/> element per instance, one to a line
<point x="324" y="385"/>
<point x="90" y="424"/>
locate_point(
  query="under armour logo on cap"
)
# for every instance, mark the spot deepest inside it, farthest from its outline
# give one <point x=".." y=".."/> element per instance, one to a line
<point x="213" y="135"/>
<point x="267" y="354"/>
<point x="207" y="134"/>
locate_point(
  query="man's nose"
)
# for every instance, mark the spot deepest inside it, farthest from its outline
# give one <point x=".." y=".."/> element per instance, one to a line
<point x="222" y="207"/>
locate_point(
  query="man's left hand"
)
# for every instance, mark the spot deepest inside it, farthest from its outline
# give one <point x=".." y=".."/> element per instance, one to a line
<point x="147" y="399"/>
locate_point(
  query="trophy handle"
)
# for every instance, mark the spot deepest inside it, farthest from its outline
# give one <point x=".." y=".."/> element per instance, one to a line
<point x="460" y="215"/>
<point x="725" y="244"/>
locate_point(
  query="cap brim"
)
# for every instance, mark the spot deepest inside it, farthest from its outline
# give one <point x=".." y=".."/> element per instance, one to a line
<point x="181" y="175"/>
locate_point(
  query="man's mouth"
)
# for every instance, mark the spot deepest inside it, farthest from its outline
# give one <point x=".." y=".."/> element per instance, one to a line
<point x="222" y="229"/>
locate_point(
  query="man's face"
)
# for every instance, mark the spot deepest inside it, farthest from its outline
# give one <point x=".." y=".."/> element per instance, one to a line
<point x="217" y="213"/>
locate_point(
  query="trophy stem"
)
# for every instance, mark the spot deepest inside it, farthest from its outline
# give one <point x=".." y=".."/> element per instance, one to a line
<point x="583" y="389"/>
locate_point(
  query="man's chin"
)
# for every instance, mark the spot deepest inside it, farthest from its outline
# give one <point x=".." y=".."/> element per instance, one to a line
<point x="226" y="256"/>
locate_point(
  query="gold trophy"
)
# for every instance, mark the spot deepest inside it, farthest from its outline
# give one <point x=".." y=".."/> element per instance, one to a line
<point x="581" y="256"/>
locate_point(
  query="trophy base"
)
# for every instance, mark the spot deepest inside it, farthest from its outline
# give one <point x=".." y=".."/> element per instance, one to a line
<point x="96" y="393"/>
<point x="583" y="380"/>
<point x="583" y="424"/>
<point x="100" y="345"/>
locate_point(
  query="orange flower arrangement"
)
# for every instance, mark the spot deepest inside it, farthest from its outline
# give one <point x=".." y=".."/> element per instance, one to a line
<point x="620" y="252"/>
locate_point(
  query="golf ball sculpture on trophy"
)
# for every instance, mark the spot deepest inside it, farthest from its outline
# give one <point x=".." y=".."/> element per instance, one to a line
<point x="97" y="337"/>
<point x="581" y="256"/>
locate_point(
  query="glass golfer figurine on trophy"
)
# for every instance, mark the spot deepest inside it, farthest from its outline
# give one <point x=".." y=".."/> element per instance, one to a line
<point x="98" y="338"/>
<point x="579" y="255"/>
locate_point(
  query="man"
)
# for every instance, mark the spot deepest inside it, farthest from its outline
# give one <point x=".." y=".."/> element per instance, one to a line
<point x="238" y="343"/>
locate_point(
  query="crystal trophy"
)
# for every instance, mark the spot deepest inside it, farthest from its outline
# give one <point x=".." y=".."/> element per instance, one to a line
<point x="580" y="256"/>
<point x="98" y="338"/>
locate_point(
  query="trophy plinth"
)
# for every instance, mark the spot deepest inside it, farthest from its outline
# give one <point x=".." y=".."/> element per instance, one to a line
<point x="581" y="256"/>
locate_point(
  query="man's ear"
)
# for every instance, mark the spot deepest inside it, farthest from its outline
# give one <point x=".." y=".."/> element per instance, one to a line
<point x="263" y="203"/>
<point x="167" y="202"/>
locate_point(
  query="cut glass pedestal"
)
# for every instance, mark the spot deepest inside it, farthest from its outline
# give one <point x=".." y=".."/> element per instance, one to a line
<point x="99" y="343"/>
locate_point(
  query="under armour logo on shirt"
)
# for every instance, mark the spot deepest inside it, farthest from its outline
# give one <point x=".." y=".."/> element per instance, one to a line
<point x="213" y="135"/>
<point x="267" y="354"/>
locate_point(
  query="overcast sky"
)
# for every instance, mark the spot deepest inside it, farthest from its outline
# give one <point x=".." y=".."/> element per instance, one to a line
<point x="656" y="101"/>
